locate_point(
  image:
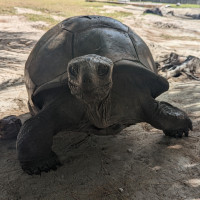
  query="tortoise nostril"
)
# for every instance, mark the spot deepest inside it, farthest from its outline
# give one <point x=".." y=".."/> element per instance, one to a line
<point x="86" y="80"/>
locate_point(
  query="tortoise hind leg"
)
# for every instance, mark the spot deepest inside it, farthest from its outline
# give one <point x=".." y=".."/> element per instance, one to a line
<point x="173" y="121"/>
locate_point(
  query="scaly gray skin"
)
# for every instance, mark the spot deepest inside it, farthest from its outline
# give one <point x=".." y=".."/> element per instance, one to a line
<point x="100" y="103"/>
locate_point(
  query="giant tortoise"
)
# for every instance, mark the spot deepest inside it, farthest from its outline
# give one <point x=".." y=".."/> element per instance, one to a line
<point x="91" y="74"/>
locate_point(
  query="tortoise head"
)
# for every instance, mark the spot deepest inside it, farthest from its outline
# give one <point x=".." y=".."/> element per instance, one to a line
<point x="90" y="77"/>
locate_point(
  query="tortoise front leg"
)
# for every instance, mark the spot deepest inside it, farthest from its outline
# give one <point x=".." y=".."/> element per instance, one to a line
<point x="173" y="121"/>
<point x="34" y="143"/>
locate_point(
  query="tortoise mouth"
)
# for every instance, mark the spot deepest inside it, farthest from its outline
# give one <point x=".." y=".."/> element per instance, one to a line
<point x="84" y="88"/>
<point x="72" y="86"/>
<point x="90" y="93"/>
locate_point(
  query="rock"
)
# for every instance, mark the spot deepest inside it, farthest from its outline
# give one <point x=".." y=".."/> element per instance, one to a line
<point x="121" y="190"/>
<point x="195" y="16"/>
<point x="129" y="150"/>
<point x="170" y="13"/>
<point x="155" y="11"/>
<point x="9" y="127"/>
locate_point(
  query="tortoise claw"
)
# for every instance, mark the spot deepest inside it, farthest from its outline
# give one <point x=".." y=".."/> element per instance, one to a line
<point x="176" y="133"/>
<point x="45" y="165"/>
<point x="179" y="133"/>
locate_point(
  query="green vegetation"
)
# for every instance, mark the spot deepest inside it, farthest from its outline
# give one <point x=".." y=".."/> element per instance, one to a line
<point x="184" y="6"/>
<point x="45" y="18"/>
<point x="60" y="7"/>
<point x="171" y="37"/>
<point x="173" y="5"/>
<point x="118" y="14"/>
<point x="7" y="10"/>
<point x="64" y="8"/>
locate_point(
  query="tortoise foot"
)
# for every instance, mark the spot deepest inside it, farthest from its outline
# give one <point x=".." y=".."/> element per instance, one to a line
<point x="177" y="133"/>
<point x="9" y="127"/>
<point x="187" y="125"/>
<point x="45" y="165"/>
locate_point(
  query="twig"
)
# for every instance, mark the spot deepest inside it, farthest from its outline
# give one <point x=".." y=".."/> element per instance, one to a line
<point x="191" y="76"/>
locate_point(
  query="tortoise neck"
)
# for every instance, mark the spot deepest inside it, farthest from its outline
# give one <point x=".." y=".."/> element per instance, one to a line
<point x="99" y="112"/>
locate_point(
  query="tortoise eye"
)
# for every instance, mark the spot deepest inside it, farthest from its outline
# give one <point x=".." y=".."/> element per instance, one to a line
<point x="102" y="70"/>
<point x="74" y="69"/>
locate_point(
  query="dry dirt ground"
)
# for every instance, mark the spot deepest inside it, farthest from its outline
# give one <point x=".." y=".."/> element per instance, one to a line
<point x="140" y="162"/>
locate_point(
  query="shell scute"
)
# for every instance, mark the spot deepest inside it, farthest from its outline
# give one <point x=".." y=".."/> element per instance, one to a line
<point x="84" y="35"/>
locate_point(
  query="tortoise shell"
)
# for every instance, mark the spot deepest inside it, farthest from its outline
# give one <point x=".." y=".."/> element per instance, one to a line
<point x="77" y="36"/>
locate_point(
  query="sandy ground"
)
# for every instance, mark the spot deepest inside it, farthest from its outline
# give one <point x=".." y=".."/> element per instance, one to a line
<point x="164" y="34"/>
<point x="140" y="162"/>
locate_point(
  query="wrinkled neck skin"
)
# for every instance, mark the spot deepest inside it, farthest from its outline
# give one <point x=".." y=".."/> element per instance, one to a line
<point x="98" y="105"/>
<point x="99" y="112"/>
